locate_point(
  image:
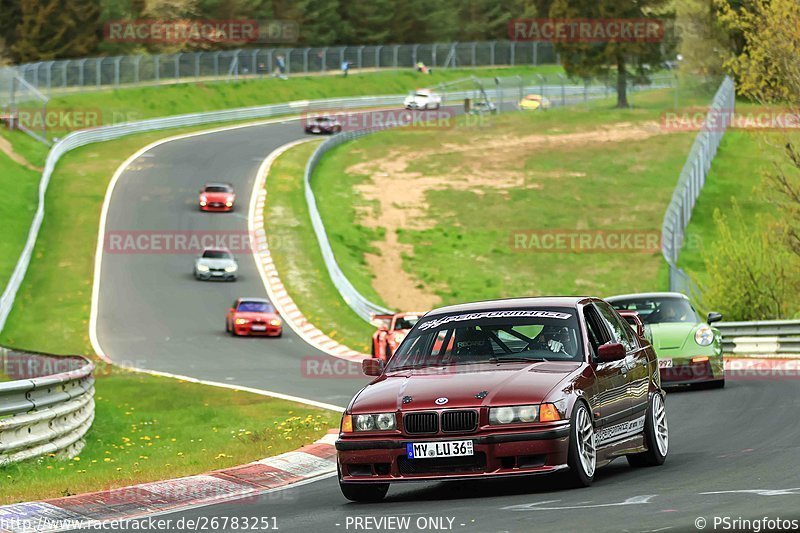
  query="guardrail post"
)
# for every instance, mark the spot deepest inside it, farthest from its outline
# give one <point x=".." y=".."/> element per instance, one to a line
<point x="305" y="60"/>
<point x="378" y="56"/>
<point x="395" y="53"/>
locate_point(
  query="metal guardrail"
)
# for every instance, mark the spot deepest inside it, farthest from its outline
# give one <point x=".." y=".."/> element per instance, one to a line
<point x="47" y="408"/>
<point x="362" y="306"/>
<point x="53" y="77"/>
<point x="777" y="338"/>
<point x="691" y="182"/>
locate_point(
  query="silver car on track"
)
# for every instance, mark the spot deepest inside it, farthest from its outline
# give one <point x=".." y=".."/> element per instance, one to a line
<point x="216" y="263"/>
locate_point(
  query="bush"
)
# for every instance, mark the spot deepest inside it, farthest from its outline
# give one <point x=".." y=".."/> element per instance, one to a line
<point x="751" y="275"/>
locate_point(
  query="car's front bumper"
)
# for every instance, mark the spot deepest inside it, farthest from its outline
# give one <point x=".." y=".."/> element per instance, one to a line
<point x="216" y="208"/>
<point x="217" y="276"/>
<point x="382" y="460"/>
<point x="685" y="372"/>
<point x="246" y="330"/>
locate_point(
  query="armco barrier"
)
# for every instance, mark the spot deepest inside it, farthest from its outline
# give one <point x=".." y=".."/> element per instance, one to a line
<point x="47" y="407"/>
<point x="775" y="338"/>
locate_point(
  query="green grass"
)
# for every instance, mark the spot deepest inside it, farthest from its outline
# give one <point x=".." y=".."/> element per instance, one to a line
<point x="127" y="104"/>
<point x="149" y="428"/>
<point x="19" y="186"/>
<point x="297" y="257"/>
<point x="465" y="252"/>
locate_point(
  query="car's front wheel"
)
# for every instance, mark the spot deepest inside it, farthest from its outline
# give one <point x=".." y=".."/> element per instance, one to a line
<point x="364" y="492"/>
<point x="656" y="435"/>
<point x="582" y="452"/>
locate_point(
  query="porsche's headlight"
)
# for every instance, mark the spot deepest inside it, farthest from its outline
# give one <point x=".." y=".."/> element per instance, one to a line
<point x="704" y="336"/>
<point x="374" y="422"/>
<point x="231" y="268"/>
<point x="202" y="268"/>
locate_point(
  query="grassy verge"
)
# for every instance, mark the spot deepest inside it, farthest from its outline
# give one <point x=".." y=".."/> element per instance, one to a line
<point x="145" y="102"/>
<point x="295" y="251"/>
<point x="455" y="237"/>
<point x="149" y="428"/>
<point x="737" y="172"/>
<point x="19" y="185"/>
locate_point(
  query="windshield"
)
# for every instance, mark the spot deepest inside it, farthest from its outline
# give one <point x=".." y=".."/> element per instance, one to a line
<point x="405" y="322"/>
<point x="656" y="310"/>
<point x="256" y="307"/>
<point x="520" y="335"/>
<point x="217" y="254"/>
<point x="218" y="188"/>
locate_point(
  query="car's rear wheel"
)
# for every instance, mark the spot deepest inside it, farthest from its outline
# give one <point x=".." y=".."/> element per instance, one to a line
<point x="366" y="492"/>
<point x="582" y="452"/>
<point x="656" y="435"/>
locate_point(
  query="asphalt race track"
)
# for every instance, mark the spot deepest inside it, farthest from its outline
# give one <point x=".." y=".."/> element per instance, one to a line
<point x="153" y="314"/>
<point x="741" y="444"/>
<point x="733" y="452"/>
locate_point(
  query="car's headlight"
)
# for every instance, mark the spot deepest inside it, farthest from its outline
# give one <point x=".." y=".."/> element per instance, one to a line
<point x="231" y="268"/>
<point x="275" y="322"/>
<point x="704" y="336"/>
<point x="229" y="203"/>
<point x="374" y="422"/>
<point x="241" y="321"/>
<point x="516" y="414"/>
<point x="202" y="268"/>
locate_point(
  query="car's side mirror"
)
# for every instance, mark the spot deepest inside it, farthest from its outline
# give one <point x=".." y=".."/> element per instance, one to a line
<point x="372" y="367"/>
<point x="611" y="351"/>
<point x="713" y="317"/>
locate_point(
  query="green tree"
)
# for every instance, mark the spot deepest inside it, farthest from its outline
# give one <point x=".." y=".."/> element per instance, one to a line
<point x="625" y="60"/>
<point x="49" y="29"/>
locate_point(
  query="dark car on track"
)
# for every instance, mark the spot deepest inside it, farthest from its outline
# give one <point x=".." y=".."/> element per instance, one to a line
<point x="321" y="124"/>
<point x="505" y="388"/>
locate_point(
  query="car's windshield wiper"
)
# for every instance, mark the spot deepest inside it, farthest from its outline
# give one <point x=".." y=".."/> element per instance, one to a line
<point x="519" y="360"/>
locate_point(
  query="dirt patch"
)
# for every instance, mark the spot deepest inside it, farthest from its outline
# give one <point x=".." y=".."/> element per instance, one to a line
<point x="7" y="149"/>
<point x="485" y="162"/>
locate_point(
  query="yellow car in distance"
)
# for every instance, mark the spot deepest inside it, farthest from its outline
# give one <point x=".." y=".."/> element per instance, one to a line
<point x="533" y="102"/>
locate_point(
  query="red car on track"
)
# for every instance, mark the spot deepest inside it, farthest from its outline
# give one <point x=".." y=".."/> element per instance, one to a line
<point x="217" y="197"/>
<point x="505" y="388"/>
<point x="253" y="316"/>
<point x="392" y="329"/>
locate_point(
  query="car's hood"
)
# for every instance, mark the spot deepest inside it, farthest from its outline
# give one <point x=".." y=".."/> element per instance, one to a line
<point x="218" y="196"/>
<point x="215" y="263"/>
<point x="485" y="384"/>
<point x="672" y="336"/>
<point x="256" y="316"/>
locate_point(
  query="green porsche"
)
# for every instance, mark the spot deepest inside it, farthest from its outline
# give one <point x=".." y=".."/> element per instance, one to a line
<point x="689" y="349"/>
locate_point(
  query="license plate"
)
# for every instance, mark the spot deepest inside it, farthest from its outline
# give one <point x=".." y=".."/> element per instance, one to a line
<point x="258" y="327"/>
<point x="665" y="363"/>
<point x="432" y="450"/>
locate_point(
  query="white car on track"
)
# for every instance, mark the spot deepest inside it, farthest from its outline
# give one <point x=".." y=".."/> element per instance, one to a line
<point x="423" y="99"/>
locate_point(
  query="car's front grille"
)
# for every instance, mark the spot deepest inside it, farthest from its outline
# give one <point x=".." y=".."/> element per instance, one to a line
<point x="459" y="421"/>
<point x="465" y="464"/>
<point x="217" y="269"/>
<point x="421" y="423"/>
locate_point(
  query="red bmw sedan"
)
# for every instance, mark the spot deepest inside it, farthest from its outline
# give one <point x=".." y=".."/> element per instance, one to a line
<point x="505" y="388"/>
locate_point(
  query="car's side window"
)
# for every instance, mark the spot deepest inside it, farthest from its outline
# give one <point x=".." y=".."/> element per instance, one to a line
<point x="619" y="328"/>
<point x="597" y="334"/>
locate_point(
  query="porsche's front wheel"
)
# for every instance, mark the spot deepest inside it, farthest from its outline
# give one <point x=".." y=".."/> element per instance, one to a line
<point x="656" y="435"/>
<point x="582" y="452"/>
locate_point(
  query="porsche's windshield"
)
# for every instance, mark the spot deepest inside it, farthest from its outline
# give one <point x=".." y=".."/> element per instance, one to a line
<point x="655" y="310"/>
<point x="543" y="334"/>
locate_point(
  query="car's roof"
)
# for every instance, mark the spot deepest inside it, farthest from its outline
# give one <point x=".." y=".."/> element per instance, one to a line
<point x="640" y="295"/>
<point x="218" y="184"/>
<point x="255" y="300"/>
<point x="512" y="303"/>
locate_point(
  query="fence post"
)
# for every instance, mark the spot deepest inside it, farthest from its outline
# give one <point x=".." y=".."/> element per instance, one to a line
<point x="360" y="56"/>
<point x="394" y="54"/>
<point x="512" y="52"/>
<point x="178" y="66"/>
<point x="64" y="74"/>
<point x="474" y="53"/>
<point x="535" y="53"/>
<point x="98" y="65"/>
<point x="305" y="60"/>
<point x="117" y="61"/>
<point x="414" y="55"/>
<point x="81" y="75"/>
<point x="491" y="53"/>
<point x="378" y="56"/>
